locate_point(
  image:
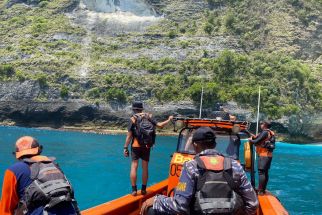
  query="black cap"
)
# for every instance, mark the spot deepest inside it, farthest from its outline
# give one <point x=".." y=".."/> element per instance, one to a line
<point x="203" y="133"/>
<point x="137" y="106"/>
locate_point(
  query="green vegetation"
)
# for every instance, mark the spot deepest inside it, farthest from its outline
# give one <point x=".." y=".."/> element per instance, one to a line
<point x="284" y="25"/>
<point x="288" y="85"/>
<point x="208" y="28"/>
<point x="42" y="79"/>
<point x="64" y="91"/>
<point x="272" y="44"/>
<point x="172" y="34"/>
<point x="115" y="94"/>
<point x="27" y="34"/>
<point x="6" y="71"/>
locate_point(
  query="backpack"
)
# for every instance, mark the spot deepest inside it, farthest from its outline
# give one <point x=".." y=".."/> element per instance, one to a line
<point x="269" y="143"/>
<point x="144" y="130"/>
<point x="215" y="191"/>
<point x="49" y="188"/>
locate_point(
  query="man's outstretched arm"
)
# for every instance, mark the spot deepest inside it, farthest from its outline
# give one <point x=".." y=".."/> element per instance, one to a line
<point x="164" y="123"/>
<point x="262" y="136"/>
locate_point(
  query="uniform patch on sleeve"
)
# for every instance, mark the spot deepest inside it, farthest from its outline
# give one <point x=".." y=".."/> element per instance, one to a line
<point x="181" y="186"/>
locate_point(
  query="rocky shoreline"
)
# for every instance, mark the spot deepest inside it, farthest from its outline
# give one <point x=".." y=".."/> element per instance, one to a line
<point x="282" y="137"/>
<point x="20" y="106"/>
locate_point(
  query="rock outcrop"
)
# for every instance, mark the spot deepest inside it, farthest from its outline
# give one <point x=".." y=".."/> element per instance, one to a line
<point x="20" y="104"/>
<point x="60" y="113"/>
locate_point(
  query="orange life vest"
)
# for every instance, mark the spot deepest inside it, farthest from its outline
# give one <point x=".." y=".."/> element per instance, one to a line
<point x="260" y="150"/>
<point x="135" y="142"/>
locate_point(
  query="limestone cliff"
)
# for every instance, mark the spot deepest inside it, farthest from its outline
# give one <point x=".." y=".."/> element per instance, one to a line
<point x="61" y="60"/>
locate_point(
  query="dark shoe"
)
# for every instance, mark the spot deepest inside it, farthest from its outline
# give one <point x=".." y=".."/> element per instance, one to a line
<point x="143" y="192"/>
<point x="134" y="193"/>
<point x="261" y="192"/>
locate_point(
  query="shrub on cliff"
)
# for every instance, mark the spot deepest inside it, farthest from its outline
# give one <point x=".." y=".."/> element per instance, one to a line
<point x="6" y="70"/>
<point x="64" y="91"/>
<point x="172" y="34"/>
<point x="116" y="94"/>
<point x="93" y="93"/>
<point x="42" y="79"/>
<point x="210" y="93"/>
<point x="208" y="28"/>
<point x="21" y="76"/>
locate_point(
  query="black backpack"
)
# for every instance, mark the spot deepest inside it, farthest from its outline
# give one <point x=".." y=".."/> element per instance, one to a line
<point x="215" y="191"/>
<point x="144" y="129"/>
<point x="49" y="188"/>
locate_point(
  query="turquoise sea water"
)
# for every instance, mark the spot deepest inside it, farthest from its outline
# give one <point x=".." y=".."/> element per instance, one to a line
<point x="98" y="171"/>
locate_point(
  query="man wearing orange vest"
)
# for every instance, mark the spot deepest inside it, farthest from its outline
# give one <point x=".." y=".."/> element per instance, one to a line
<point x="140" y="146"/>
<point x="264" y="152"/>
<point x="35" y="185"/>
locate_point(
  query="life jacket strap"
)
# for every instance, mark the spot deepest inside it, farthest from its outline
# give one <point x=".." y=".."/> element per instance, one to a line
<point x="55" y="201"/>
<point x="210" y="203"/>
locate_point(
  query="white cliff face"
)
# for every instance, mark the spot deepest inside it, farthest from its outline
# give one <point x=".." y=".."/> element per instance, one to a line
<point x="109" y="17"/>
<point x="136" y="7"/>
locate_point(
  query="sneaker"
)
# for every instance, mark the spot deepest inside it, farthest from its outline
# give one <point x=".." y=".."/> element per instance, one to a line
<point x="143" y="192"/>
<point x="261" y="192"/>
<point x="134" y="193"/>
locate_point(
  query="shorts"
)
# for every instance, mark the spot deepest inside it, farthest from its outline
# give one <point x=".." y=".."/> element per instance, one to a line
<point x="140" y="153"/>
<point x="264" y="163"/>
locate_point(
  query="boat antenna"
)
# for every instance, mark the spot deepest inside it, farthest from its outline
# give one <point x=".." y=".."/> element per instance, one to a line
<point x="258" y="104"/>
<point x="201" y="102"/>
<point x="257" y="120"/>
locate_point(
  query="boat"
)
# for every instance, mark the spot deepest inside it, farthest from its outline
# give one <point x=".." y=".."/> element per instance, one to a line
<point x="228" y="138"/>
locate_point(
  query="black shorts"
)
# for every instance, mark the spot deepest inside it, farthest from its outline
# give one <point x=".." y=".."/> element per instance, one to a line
<point x="140" y="153"/>
<point x="264" y="163"/>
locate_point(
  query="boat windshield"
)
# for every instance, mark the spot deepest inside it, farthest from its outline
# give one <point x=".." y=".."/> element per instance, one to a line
<point x="227" y="143"/>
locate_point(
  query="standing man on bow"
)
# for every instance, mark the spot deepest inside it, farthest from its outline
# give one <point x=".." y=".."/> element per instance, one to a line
<point x="265" y="144"/>
<point x="141" y="135"/>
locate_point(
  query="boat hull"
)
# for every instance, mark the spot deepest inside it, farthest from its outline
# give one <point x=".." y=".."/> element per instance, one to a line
<point x="129" y="205"/>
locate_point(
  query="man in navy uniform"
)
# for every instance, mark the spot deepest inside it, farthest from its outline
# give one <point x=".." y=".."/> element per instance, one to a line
<point x="239" y="199"/>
